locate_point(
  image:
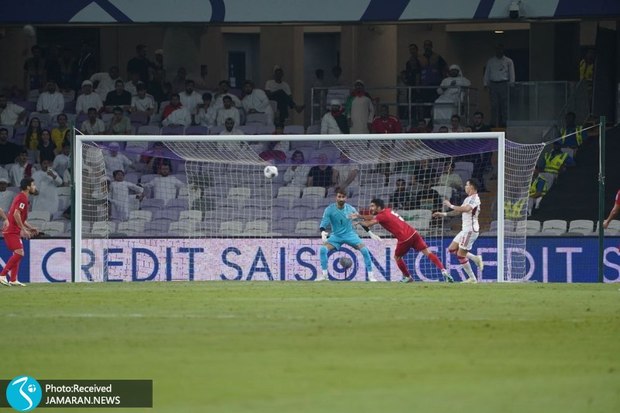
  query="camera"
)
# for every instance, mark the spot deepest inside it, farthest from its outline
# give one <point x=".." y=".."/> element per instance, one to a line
<point x="514" y="9"/>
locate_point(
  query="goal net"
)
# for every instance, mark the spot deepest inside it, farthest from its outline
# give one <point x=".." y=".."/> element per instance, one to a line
<point x="201" y="208"/>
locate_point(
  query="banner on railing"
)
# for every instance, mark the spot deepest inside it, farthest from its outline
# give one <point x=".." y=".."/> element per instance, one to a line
<point x="560" y="259"/>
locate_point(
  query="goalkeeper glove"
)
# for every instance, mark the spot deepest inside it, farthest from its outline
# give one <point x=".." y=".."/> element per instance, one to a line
<point x="324" y="235"/>
<point x="374" y="236"/>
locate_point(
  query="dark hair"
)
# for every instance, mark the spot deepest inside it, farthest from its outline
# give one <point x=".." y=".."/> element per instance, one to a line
<point x="341" y="191"/>
<point x="62" y="114"/>
<point x="188" y="81"/>
<point x="207" y="96"/>
<point x="90" y="110"/>
<point x="4" y="130"/>
<point x="175" y="95"/>
<point x="225" y="82"/>
<point x="455" y="116"/>
<point x="140" y="86"/>
<point x="119" y="81"/>
<point x="474" y="182"/>
<point x="298" y="152"/>
<point x="117" y="171"/>
<point x="478" y="113"/>
<point x="226" y="97"/>
<point x="248" y="82"/>
<point x="25" y="183"/>
<point x="378" y="202"/>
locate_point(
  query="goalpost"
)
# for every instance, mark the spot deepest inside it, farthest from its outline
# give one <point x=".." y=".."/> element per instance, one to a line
<point x="220" y="218"/>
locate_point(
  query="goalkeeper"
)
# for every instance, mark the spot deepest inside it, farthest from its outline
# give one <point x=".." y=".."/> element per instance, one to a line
<point x="336" y="216"/>
<point x="407" y="236"/>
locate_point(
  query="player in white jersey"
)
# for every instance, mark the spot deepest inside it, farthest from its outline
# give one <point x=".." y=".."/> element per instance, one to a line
<point x="464" y="241"/>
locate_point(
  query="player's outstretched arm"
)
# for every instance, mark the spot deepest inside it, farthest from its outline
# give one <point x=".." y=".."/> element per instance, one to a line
<point x="456" y="208"/>
<point x="612" y="214"/>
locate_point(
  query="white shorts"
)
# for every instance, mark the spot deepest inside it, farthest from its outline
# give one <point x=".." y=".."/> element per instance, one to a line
<point x="466" y="239"/>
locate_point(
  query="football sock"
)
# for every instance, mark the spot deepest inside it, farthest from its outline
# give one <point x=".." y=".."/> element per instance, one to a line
<point x="323" y="254"/>
<point x="473" y="257"/>
<point x="367" y="261"/>
<point x="435" y="260"/>
<point x="15" y="268"/>
<point x="466" y="267"/>
<point x="402" y="266"/>
<point x="10" y="263"/>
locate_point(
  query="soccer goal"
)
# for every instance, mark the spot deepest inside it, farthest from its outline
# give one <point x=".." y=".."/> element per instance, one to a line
<point x="201" y="208"/>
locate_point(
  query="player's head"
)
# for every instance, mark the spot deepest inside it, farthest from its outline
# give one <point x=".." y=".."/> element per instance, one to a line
<point x="27" y="184"/>
<point x="471" y="186"/>
<point x="376" y="205"/>
<point x="341" y="197"/>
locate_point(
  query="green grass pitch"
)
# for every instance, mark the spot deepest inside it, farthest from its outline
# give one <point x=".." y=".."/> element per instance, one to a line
<point x="232" y="347"/>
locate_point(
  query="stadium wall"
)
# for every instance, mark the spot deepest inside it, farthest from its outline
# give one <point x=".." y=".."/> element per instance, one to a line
<point x="549" y="259"/>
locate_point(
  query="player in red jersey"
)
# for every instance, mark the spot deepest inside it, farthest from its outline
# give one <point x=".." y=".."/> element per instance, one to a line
<point x="17" y="229"/>
<point x="407" y="236"/>
<point x="614" y="211"/>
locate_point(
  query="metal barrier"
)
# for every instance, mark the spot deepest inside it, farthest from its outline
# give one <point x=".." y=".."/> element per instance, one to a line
<point x="411" y="103"/>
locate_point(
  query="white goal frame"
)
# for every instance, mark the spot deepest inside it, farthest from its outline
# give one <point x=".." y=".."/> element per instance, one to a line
<point x="80" y="139"/>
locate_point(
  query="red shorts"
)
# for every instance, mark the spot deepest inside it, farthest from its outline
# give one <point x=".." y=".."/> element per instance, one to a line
<point x="13" y="241"/>
<point x="416" y="242"/>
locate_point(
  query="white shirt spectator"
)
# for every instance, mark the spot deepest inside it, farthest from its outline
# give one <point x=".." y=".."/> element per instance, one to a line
<point x="53" y="103"/>
<point x="258" y="101"/>
<point x="119" y="191"/>
<point x="180" y="116"/>
<point x="207" y="117"/>
<point x="218" y="100"/>
<point x="192" y="101"/>
<point x="143" y="104"/>
<point x="92" y="129"/>
<point x="130" y="87"/>
<point x="6" y="198"/>
<point x="116" y="162"/>
<point x="4" y="174"/>
<point x="61" y="164"/>
<point x="84" y="102"/>
<point x="499" y="70"/>
<point x="329" y="126"/>
<point x="362" y="113"/>
<point x="17" y="172"/>
<point x="105" y="85"/>
<point x="10" y="114"/>
<point x="223" y="114"/>
<point x="47" y="183"/>
<point x="297" y="176"/>
<point x="165" y="187"/>
<point x="274" y="86"/>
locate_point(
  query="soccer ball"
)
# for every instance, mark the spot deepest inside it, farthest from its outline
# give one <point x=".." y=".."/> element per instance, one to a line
<point x="345" y="262"/>
<point x="270" y="171"/>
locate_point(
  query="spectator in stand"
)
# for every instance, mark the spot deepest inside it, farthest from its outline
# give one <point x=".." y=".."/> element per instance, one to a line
<point x="422" y="127"/>
<point x="131" y="85"/>
<point x="34" y="70"/>
<point x="8" y="150"/>
<point x="59" y="132"/>
<point x="297" y="173"/>
<point x="143" y="102"/>
<point x="93" y="125"/>
<point x="6" y="197"/>
<point x="87" y="99"/>
<point x="230" y="128"/>
<point x="449" y="178"/>
<point x="51" y="101"/>
<point x="46" y="148"/>
<point x="207" y="114"/>
<point x="478" y="124"/>
<point x="105" y="82"/>
<point x="223" y="90"/>
<point x="10" y="113"/>
<point x="386" y="123"/>
<point x="159" y="61"/>
<point x="455" y="124"/>
<point x="573" y="136"/>
<point x="119" y="124"/>
<point x="413" y="68"/>
<point x="20" y="169"/>
<point x="158" y="87"/>
<point x="116" y="161"/>
<point x="280" y="91"/>
<point x="62" y="161"/>
<point x="554" y="163"/>
<point x="156" y="157"/>
<point x="118" y="97"/>
<point x="33" y="134"/>
<point x="347" y="172"/>
<point x="175" y="114"/>
<point x="227" y="111"/>
<point x="47" y="181"/>
<point x="499" y="74"/>
<point x="178" y="81"/>
<point x="451" y="94"/>
<point x="273" y="153"/>
<point x="360" y="109"/>
<point x="119" y="195"/>
<point x="401" y="198"/>
<point x="140" y="64"/>
<point x="190" y="99"/>
<point x="322" y="175"/>
<point x="433" y="68"/>
<point x="538" y="189"/>
<point x="165" y="186"/>
<point x="335" y="121"/>
<point x="256" y="101"/>
<point x="443" y="129"/>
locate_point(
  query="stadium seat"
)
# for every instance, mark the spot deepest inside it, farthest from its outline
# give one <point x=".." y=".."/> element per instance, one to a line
<point x="182" y="227"/>
<point x="308" y="227"/>
<point x="139" y="118"/>
<point x="248" y="129"/>
<point x="178" y="203"/>
<point x="581" y="226"/>
<point x="157" y="228"/>
<point x="39" y="216"/>
<point x="149" y="130"/>
<point x="166" y="214"/>
<point x="313" y="129"/>
<point x="53" y="228"/>
<point x="152" y="204"/>
<point x="173" y="130"/>
<point x="554" y="227"/>
<point x="532" y="227"/>
<point x="131" y="227"/>
<point x="612" y="229"/>
<point x="191" y="215"/>
<point x="444" y="191"/>
<point x="418" y="218"/>
<point x="264" y="129"/>
<point x="255" y="118"/>
<point x="196" y="130"/>
<point x="289" y="192"/>
<point x="231" y="228"/>
<point x="140" y="215"/>
<point x="239" y="193"/>
<point x="258" y="227"/>
<point x="294" y="130"/>
<point x="103" y="228"/>
<point x="313" y="192"/>
<point x="216" y="129"/>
